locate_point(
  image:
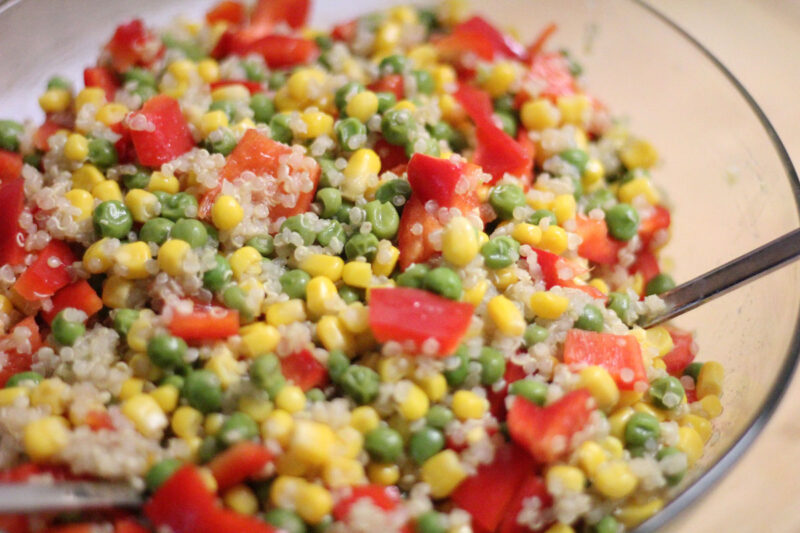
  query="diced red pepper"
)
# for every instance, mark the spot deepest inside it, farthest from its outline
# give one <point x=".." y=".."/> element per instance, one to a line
<point x="270" y="12"/>
<point x="683" y="352"/>
<point x="487" y="494"/>
<point x="532" y="487"/>
<point x="128" y="525"/>
<point x="386" y="498"/>
<point x="79" y="295"/>
<point x="529" y="147"/>
<point x="86" y="527"/>
<point x="17" y="361"/>
<point x="182" y="502"/>
<point x="597" y="246"/>
<point x="241" y="461"/>
<point x="98" y="419"/>
<point x="252" y="86"/>
<point x="538" y="44"/>
<point x="556" y="270"/>
<point x="391" y="83"/>
<point x="345" y="31"/>
<point x="659" y="220"/>
<point x="437" y="179"/>
<point x="502" y="44"/>
<point x="621" y="355"/>
<point x="646" y="264"/>
<point x="126" y="152"/>
<point x="454" y="45"/>
<point x="303" y="369"/>
<point x="130" y="46"/>
<point x="392" y="155"/>
<point x="497" y="398"/>
<point x="227" y="11"/>
<point x="476" y="103"/>
<point x="102" y="77"/>
<point x="10" y="165"/>
<point x="44" y="132"/>
<point x="48" y="272"/>
<point x="553" y="69"/>
<point x="546" y="432"/>
<point x="413" y="316"/>
<point x="14" y="523"/>
<point x="25" y="471"/>
<point x="12" y="238"/>
<point x="414" y="246"/>
<point x="224" y="520"/>
<point x="170" y="136"/>
<point x="278" y="51"/>
<point x="205" y="323"/>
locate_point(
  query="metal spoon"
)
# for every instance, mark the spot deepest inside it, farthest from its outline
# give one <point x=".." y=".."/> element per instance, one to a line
<point x="65" y="496"/>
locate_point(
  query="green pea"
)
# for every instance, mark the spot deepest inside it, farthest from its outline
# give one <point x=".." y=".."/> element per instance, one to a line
<point x="236" y="428"/>
<point x="328" y="171"/>
<point x="343" y="215"/>
<point x="160" y="473"/>
<point x="660" y="283"/>
<point x="534" y="334"/>
<point x="285" y="520"/>
<point x="138" y="180"/>
<point x="302" y="225"/>
<point x="263" y="108"/>
<point x="234" y="298"/>
<point x="693" y="370"/>
<point x="294" y="283"/>
<point x="431" y="522"/>
<point x="254" y="71"/>
<point x="324" y="42"/>
<point x="414" y="276"/>
<point x="439" y="416"/>
<point x="33" y="159"/>
<point x="213" y="235"/>
<point x="219" y="276"/>
<point x="226" y="106"/>
<point x="425" y="443"/>
<point x="144" y="92"/>
<point x="123" y="320"/>
<point x="591" y="319"/>
<point x="575" y="157"/>
<point x="156" y="230"/>
<point x="265" y="372"/>
<point x="623" y="221"/>
<point x="397" y="125"/>
<point x="279" y="128"/>
<point x="361" y="245"/>
<point x="504" y="103"/>
<point x="315" y="395"/>
<point x="539" y="214"/>
<point x="427" y="17"/>
<point x="338" y="363"/>
<point x="393" y="64"/>
<point x="277" y="79"/>
<point x="425" y="83"/>
<point x="209" y="448"/>
<point x="262" y="243"/>
<point x="350" y="294"/>
<point x="532" y="390"/>
<point x="166" y="351"/>
<point x="333" y="230"/>
<point x="634" y="173"/>
<point x="360" y="383"/>
<point x="384" y="219"/>
<point x="57" y="82"/>
<point x="395" y="192"/>
<point x="10" y="132"/>
<point x="386" y="100"/>
<point x="331" y="200"/>
<point x="601" y="199"/>
<point x="223" y="145"/>
<point x="620" y="303"/>
<point x="508" y="122"/>
<point x="456" y="375"/>
<point x="179" y="205"/>
<point x="351" y="133"/>
<point x="189" y="48"/>
<point x="505" y="198"/>
<point x="102" y="153"/>
<point x="23" y="377"/>
<point x="112" y="219"/>
<point x="384" y="444"/>
<point x="174" y="380"/>
<point x="672" y="478"/>
<point x="641" y="428"/>
<point x="203" y="391"/>
<point x="493" y="365"/>
<point x="444" y="132"/>
<point x="443" y="281"/>
<point x="666" y="392"/>
<point x="344" y="93"/>
<point x="66" y="332"/>
<point x="423" y="145"/>
<point x="190" y="230"/>
<point x="608" y="524"/>
<point x="500" y="252"/>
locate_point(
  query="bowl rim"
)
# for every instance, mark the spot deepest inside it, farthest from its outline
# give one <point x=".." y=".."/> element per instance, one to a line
<point x="701" y="486"/>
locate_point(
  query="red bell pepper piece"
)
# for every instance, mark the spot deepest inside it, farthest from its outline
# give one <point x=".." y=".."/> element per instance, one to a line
<point x="86" y="527"/>
<point x="392" y="155"/>
<point x="241" y="461"/>
<point x="659" y="220"/>
<point x="44" y="132"/>
<point x="646" y="264"/>
<point x="103" y="78"/>
<point x="278" y="51"/>
<point x="124" y="145"/>
<point x="597" y="246"/>
<point x="252" y="86"/>
<point x="227" y="11"/>
<point x="345" y="31"/>
<point x="413" y="316"/>
<point x="47" y="274"/>
<point x="79" y="295"/>
<point x="553" y="69"/>
<point x="182" y="502"/>
<point x="128" y="525"/>
<point x="25" y="471"/>
<point x="556" y="270"/>
<point x="391" y="83"/>
<point x="502" y="44"/>
<point x="433" y="178"/>
<point x="476" y="103"/>
<point x="10" y="165"/>
<point x="19" y="361"/>
<point x="683" y="352"/>
<point x="621" y="355"/>
<point x="487" y="494"/>
<point x="386" y="498"/>
<point x="538" y="44"/>
<point x="205" y="323"/>
<point x="270" y="12"/>
<point x="416" y="247"/>
<point x="12" y="239"/>
<point x="532" y="487"/>
<point x="97" y="420"/>
<point x="302" y="369"/>
<point x="464" y="41"/>
<point x="130" y="46"/>
<point x="546" y="432"/>
<point x="497" y="398"/>
<point x="14" y="523"/>
<point x="529" y="148"/>
<point x="170" y="136"/>
<point x="225" y="521"/>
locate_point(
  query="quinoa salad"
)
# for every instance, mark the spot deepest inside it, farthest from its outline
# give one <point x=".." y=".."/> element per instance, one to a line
<point x="383" y="277"/>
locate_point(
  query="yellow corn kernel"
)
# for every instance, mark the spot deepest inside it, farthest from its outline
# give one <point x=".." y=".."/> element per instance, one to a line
<point x="225" y="367"/>
<point x="356" y="274"/>
<point x="52" y="393"/>
<point x="434" y="385"/>
<point x="618" y="420"/>
<point x="142" y="204"/>
<point x="468" y="405"/>
<point x="405" y="104"/>
<point x="182" y="69"/>
<point x="341" y="472"/>
<point x="322" y="298"/>
<point x="554" y="239"/>
<point x="528" y="234"/>
<point x="701" y="425"/>
<point x="163" y="182"/>
<point x="259" y="339"/>
<point x="660" y="338"/>
<point x="387" y="37"/>
<point x="291" y="399"/>
<point x="564" y="207"/>
<point x="213" y="422"/>
<point x="256" y="407"/>
<point x="634" y="514"/>
<point x="243" y="125"/>
<point x="566" y="477"/>
<point x="54" y="100"/>
<point x="333" y="335"/>
<point x="107" y="190"/>
<point x="241" y="499"/>
<point x="132" y="258"/>
<point x="130" y="388"/>
<point x="313" y="503"/>
<point x="590" y="456"/>
<point x="709" y="380"/>
<point x="140" y="332"/>
<point x="279" y="426"/>
<point x="385" y="261"/>
<point x="593" y="172"/>
<point x="613" y="446"/>
<point x="234" y="92"/>
<point x="173" y="89"/>
<point x="475" y="294"/>
<point x="146" y="415"/>
<point x="304" y="84"/>
<point x="443" y="472"/>
<point x="602" y="386"/>
<point x="459" y="241"/>
<point x="548" y="305"/>
<point x="212" y="121"/>
<point x="362" y="105"/>
<point x="82" y="201"/>
<point x="76" y="147"/>
<point x="166" y="396"/>
<point x="642" y="407"/>
<point x="406" y="15"/>
<point x="208" y="479"/>
<point x="560" y="528"/>
<point x="5" y="305"/>
<point x="226" y="213"/>
<point x="614" y="479"/>
<point x="711" y="405"/>
<point x="186" y="422"/>
<point x="282" y="313"/>
<point x="415" y="404"/>
<point x="394" y="368"/>
<point x="312" y="442"/>
<point x="506" y="316"/>
<point x="246" y="261"/>
<point x="86" y="177"/>
<point x="638" y="153"/>
<point x="444" y="77"/>
<point x="90" y="95"/>
<point x="323" y="265"/>
<point x="171" y="255"/>
<point x="574" y="108"/>
<point x="500" y="79"/>
<point x="364" y="419"/>
<point x="636" y="187"/>
<point x="361" y="167"/>
<point x="45" y="437"/>
<point x="111" y="114"/>
<point x="383" y="473"/>
<point x="355" y="317"/>
<point x="117" y="292"/>
<point x="691" y="443"/>
<point x="317" y="124"/>
<point x="539" y="114"/>
<point x="208" y="69"/>
<point x="10" y="394"/>
<point x="505" y="277"/>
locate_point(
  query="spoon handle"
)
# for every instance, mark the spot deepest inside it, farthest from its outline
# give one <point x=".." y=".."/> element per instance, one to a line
<point x="727" y="277"/>
<point x="65" y="496"/>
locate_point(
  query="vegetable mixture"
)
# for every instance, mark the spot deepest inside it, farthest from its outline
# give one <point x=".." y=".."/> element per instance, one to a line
<point x="380" y="278"/>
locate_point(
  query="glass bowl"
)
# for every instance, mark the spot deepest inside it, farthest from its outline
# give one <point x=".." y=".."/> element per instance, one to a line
<point x="724" y="169"/>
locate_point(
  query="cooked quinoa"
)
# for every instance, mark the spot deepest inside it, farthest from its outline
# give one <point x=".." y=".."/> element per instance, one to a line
<point x="384" y="277"/>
